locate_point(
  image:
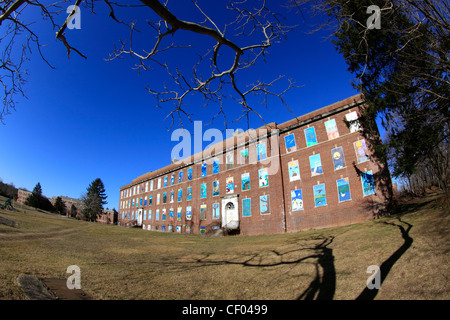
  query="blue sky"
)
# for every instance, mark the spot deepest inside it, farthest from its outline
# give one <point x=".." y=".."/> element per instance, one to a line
<point x="93" y="118"/>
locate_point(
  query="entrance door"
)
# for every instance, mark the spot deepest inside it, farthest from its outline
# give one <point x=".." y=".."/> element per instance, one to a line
<point x="230" y="213"/>
<point x="139" y="217"/>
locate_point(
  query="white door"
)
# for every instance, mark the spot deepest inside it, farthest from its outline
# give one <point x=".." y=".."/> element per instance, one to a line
<point x="230" y="215"/>
<point x="139" y="217"/>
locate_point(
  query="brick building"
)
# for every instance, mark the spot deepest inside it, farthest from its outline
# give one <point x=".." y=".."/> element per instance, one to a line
<point x="68" y="202"/>
<point x="22" y="195"/>
<point x="313" y="171"/>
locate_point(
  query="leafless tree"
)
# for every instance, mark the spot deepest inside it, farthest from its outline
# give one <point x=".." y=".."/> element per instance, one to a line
<point x="228" y="49"/>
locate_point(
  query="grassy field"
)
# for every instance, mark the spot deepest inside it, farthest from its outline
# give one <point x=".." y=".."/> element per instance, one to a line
<point x="411" y="248"/>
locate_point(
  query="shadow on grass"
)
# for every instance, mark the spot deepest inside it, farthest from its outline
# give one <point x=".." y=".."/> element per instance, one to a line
<point x="386" y="266"/>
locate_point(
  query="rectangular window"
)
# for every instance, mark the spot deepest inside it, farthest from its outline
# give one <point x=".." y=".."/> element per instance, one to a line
<point x="261" y="151"/>
<point x="297" y="200"/>
<point x="337" y="154"/>
<point x="172" y="179"/>
<point x="149" y="214"/>
<point x="165" y="181"/>
<point x="180" y="195"/>
<point x="230" y="185"/>
<point x="289" y="141"/>
<point x="245" y="181"/>
<point x="229" y="160"/>
<point x="189" y="174"/>
<point x="171" y="214"/>
<point x="362" y="154"/>
<point x="343" y="188"/>
<point x="310" y="136"/>
<point x="203" y="192"/>
<point x="204" y="169"/>
<point x="264" y="206"/>
<point x="151" y="185"/>
<point x="243" y="159"/>
<point x="157" y="215"/>
<point x="150" y="200"/>
<point x="145" y="201"/>
<point x="188" y="229"/>
<point x="246" y="207"/>
<point x="263" y="176"/>
<point x="215" y="188"/>
<point x="165" y="197"/>
<point x="179" y="213"/>
<point x="203" y="212"/>
<point x="216" y="211"/>
<point x="352" y="120"/>
<point x="294" y="171"/>
<point x="320" y="197"/>
<point x="188" y="213"/>
<point x="180" y="176"/>
<point x="332" y="130"/>
<point x="146" y="187"/>
<point x="216" y="166"/>
<point x="316" y="165"/>
<point x="158" y="198"/>
<point x="368" y="183"/>
<point x="163" y="214"/>
<point x="159" y="183"/>
<point x="172" y="196"/>
<point x="189" y="193"/>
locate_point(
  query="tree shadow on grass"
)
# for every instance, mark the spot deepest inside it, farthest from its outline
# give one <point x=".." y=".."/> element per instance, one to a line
<point x="386" y="266"/>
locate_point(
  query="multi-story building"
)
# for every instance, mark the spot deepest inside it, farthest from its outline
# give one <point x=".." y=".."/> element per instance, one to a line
<point x="68" y="202"/>
<point x="313" y="171"/>
<point x="22" y="195"/>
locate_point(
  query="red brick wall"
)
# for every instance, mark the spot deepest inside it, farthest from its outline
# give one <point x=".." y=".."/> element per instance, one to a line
<point x="281" y="217"/>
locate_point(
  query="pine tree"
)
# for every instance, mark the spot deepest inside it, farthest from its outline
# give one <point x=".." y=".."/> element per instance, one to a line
<point x="94" y="199"/>
<point x="60" y="206"/>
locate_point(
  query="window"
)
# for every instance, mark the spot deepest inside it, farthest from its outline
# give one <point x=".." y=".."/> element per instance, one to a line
<point x="337" y="154"/>
<point x="164" y="197"/>
<point x="189" y="193"/>
<point x="294" y="171"/>
<point x="352" y="119"/>
<point x="332" y="130"/>
<point x="289" y="141"/>
<point x="230" y="185"/>
<point x="189" y="174"/>
<point x="297" y="200"/>
<point x="203" y="192"/>
<point x="172" y="179"/>
<point x="204" y="169"/>
<point x="179" y="209"/>
<point x="264" y="207"/>
<point x="246" y="207"/>
<point x="215" y="188"/>
<point x="261" y="151"/>
<point x="180" y="176"/>
<point x="158" y="198"/>
<point x="362" y="154"/>
<point x="320" y="197"/>
<point x="245" y="181"/>
<point x="203" y="212"/>
<point x="180" y="195"/>
<point x="315" y="164"/>
<point x="150" y="199"/>
<point x="145" y="201"/>
<point x="216" y="166"/>
<point x="343" y="188"/>
<point x="188" y="213"/>
<point x="165" y="181"/>
<point x="263" y="176"/>
<point x="229" y="160"/>
<point x="216" y="211"/>
<point x="172" y="196"/>
<point x="243" y="159"/>
<point x="368" y="183"/>
<point x="310" y="136"/>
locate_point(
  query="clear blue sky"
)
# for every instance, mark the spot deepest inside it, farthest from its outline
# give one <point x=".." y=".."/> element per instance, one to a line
<point x="92" y="118"/>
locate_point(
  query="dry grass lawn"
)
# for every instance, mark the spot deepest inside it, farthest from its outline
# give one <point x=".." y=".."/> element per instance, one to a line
<point x="122" y="263"/>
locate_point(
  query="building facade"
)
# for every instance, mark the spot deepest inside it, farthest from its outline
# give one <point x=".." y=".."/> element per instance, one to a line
<point x="313" y="171"/>
<point x="22" y="195"/>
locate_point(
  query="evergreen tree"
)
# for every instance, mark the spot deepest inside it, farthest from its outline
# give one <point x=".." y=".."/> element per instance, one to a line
<point x="59" y="205"/>
<point x="73" y="211"/>
<point x="38" y="200"/>
<point x="93" y="200"/>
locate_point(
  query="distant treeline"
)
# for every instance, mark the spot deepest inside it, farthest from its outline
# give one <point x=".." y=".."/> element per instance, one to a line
<point x="8" y="190"/>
